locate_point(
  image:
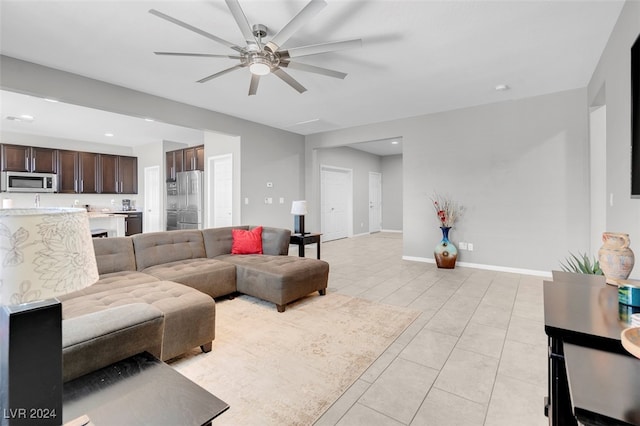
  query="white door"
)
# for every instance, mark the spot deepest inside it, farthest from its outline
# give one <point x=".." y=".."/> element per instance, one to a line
<point x="375" y="202"/>
<point x="152" y="218"/>
<point x="336" y="195"/>
<point x="221" y="196"/>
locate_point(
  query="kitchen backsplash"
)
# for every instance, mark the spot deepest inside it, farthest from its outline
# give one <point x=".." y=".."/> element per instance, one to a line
<point x="96" y="202"/>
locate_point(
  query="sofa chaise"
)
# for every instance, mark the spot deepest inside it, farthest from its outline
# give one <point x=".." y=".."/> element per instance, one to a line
<point x="156" y="292"/>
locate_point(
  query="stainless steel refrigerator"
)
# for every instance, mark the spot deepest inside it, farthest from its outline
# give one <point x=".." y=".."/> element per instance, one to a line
<point x="185" y="201"/>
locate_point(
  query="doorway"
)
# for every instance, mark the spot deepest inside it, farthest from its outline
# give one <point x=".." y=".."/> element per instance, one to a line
<point x="336" y="195"/>
<point x="375" y="202"/>
<point x="221" y="194"/>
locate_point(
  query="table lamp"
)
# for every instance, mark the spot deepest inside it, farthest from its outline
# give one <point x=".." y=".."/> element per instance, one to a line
<point x="298" y="209"/>
<point x="44" y="253"/>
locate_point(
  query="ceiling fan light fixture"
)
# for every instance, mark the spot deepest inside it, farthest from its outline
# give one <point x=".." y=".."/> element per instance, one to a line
<point x="259" y="68"/>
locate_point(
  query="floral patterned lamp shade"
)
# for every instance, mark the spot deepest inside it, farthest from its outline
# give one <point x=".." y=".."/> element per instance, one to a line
<point x="44" y="253"/>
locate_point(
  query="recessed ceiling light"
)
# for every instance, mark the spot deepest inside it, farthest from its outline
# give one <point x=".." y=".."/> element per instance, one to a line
<point x="151" y="120"/>
<point x="51" y="100"/>
<point x="27" y="117"/>
<point x="502" y="87"/>
<point x="109" y="135"/>
<point x="394" y="142"/>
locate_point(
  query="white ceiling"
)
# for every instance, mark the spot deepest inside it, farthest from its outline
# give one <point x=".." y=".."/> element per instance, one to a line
<point x="417" y="57"/>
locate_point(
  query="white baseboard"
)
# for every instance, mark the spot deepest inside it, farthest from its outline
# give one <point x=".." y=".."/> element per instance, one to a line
<point x="534" y="272"/>
<point x="398" y="231"/>
<point x="360" y="235"/>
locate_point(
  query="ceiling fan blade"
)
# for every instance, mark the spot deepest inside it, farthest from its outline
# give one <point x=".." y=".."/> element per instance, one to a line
<point x="279" y="72"/>
<point x="218" y="74"/>
<point x="312" y="68"/>
<point x="195" y="30"/>
<point x="205" y="55"/>
<point x="312" y="8"/>
<point x="253" y="86"/>
<point x="315" y="49"/>
<point x="241" y="20"/>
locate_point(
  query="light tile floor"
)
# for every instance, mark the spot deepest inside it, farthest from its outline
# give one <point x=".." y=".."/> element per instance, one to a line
<point x="475" y="356"/>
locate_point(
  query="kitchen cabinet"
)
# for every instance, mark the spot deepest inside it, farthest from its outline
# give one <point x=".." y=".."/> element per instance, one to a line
<point x="88" y="172"/>
<point x="67" y="171"/>
<point x="194" y="158"/>
<point x="118" y="174"/>
<point x="77" y="172"/>
<point x="18" y="158"/>
<point x="184" y="160"/>
<point x="132" y="223"/>
<point x="174" y="163"/>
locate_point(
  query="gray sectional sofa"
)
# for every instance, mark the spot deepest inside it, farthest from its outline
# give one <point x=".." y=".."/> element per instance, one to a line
<point x="156" y="292"/>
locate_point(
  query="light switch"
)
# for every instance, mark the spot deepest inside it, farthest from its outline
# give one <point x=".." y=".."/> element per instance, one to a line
<point x="281" y="200"/>
<point x="269" y="184"/>
<point x="246" y="200"/>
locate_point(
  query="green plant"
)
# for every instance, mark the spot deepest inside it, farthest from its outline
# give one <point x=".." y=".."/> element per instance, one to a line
<point x="581" y="264"/>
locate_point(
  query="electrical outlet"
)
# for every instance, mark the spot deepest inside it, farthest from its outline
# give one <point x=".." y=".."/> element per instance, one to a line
<point x="266" y="200"/>
<point x="281" y="200"/>
<point x="470" y="246"/>
<point x="269" y="200"/>
<point x="463" y="246"/>
<point x="246" y="200"/>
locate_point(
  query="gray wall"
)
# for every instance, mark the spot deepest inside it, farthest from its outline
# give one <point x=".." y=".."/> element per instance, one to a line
<point x="263" y="148"/>
<point x="518" y="167"/>
<point x="392" y="193"/>
<point x="361" y="163"/>
<point x="610" y="85"/>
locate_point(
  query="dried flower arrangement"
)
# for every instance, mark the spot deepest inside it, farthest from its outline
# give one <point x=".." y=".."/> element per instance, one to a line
<point x="447" y="210"/>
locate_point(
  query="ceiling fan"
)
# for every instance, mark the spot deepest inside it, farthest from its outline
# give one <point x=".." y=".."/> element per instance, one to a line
<point x="267" y="58"/>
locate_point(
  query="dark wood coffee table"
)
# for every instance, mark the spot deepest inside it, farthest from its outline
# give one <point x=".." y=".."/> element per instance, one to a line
<point x="139" y="390"/>
<point x="585" y="317"/>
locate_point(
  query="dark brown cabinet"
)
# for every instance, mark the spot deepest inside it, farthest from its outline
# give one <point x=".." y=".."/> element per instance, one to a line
<point x="18" y="158"/>
<point x="77" y="172"/>
<point x="184" y="160"/>
<point x="194" y="158"/>
<point x="67" y="171"/>
<point x="132" y="223"/>
<point x="174" y="163"/>
<point x="88" y="172"/>
<point x="118" y="174"/>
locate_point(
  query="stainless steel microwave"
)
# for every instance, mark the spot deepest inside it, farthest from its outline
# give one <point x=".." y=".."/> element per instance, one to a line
<point x="28" y="182"/>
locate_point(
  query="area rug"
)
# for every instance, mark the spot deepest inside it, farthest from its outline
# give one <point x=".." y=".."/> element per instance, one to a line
<point x="288" y="368"/>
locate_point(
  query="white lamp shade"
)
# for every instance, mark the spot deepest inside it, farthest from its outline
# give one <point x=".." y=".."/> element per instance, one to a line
<point x="44" y="252"/>
<point x="299" y="208"/>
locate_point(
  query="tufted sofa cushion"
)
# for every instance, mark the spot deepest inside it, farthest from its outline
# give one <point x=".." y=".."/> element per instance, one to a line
<point x="189" y="315"/>
<point x="114" y="254"/>
<point x="209" y="276"/>
<point x="218" y="241"/>
<point x="156" y="248"/>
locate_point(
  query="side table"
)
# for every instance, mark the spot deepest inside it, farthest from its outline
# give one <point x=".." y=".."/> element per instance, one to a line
<point x="139" y="390"/>
<point x="302" y="240"/>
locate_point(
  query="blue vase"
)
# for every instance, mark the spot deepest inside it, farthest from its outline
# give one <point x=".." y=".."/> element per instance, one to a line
<point x="445" y="253"/>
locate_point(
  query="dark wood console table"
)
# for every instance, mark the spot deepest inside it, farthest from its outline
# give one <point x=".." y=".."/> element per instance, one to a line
<point x="140" y="390"/>
<point x="302" y="240"/>
<point x="582" y="322"/>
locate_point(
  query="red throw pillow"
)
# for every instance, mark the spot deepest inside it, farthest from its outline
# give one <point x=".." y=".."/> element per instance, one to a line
<point x="247" y="242"/>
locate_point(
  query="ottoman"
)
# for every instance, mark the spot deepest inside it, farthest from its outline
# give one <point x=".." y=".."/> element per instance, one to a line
<point x="278" y="279"/>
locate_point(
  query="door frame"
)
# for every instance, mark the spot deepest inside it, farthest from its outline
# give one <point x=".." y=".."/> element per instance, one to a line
<point x="349" y="173"/>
